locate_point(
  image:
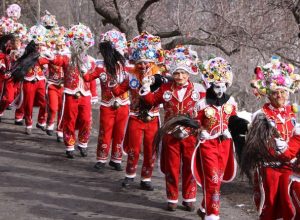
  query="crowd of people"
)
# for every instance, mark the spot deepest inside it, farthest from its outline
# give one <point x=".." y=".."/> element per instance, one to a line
<point x="48" y="66"/>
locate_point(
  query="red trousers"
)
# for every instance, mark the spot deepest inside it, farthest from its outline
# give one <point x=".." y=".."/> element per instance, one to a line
<point x="177" y="154"/>
<point x="111" y="132"/>
<point x="54" y="106"/>
<point x="139" y="132"/>
<point x="294" y="191"/>
<point x="271" y="184"/>
<point x="34" y="93"/>
<point x="77" y="115"/>
<point x="8" y="95"/>
<point x="214" y="157"/>
<point x="19" y="113"/>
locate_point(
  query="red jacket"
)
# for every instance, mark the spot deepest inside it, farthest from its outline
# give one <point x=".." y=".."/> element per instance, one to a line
<point x="107" y="96"/>
<point x="73" y="78"/>
<point x="167" y="94"/>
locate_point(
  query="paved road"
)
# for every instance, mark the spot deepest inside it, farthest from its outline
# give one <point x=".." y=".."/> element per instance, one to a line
<point x="38" y="182"/>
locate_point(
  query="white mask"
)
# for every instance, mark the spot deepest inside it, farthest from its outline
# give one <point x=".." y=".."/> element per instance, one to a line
<point x="220" y="89"/>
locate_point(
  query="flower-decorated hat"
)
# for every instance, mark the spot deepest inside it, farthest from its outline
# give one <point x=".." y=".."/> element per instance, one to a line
<point x="275" y="75"/>
<point x="37" y="33"/>
<point x="80" y="36"/>
<point x="216" y="70"/>
<point x="7" y="25"/>
<point x="145" y="47"/>
<point x="48" y="20"/>
<point x="20" y="31"/>
<point x="55" y="36"/>
<point x="182" y="58"/>
<point x="117" y="38"/>
<point x="14" y="11"/>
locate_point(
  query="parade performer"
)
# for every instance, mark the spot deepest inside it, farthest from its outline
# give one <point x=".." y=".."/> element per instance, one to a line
<point x="271" y="177"/>
<point x="144" y="51"/>
<point x="180" y="98"/>
<point x="54" y="91"/>
<point x="34" y="84"/>
<point x="114" y="110"/>
<point x="9" y="89"/>
<point x="213" y="160"/>
<point x="77" y="105"/>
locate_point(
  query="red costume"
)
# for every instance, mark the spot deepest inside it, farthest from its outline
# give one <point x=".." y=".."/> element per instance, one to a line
<point x="7" y="92"/>
<point x="9" y="89"/>
<point x="213" y="161"/>
<point x="54" y="93"/>
<point x="270" y="192"/>
<point x="34" y="91"/>
<point x="77" y="106"/>
<point x="114" y="112"/>
<point x="174" y="150"/>
<point x="139" y="126"/>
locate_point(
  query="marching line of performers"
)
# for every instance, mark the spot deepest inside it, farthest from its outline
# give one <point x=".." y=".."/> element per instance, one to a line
<point x="48" y="66"/>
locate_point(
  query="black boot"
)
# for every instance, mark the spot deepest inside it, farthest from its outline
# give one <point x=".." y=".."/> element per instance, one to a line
<point x="59" y="139"/>
<point x="70" y="154"/>
<point x="146" y="185"/>
<point x="50" y="132"/>
<point x="83" y="151"/>
<point x="42" y="127"/>
<point x="99" y="166"/>
<point x="127" y="181"/>
<point x="20" y="123"/>
<point x="201" y="214"/>
<point x="115" y="165"/>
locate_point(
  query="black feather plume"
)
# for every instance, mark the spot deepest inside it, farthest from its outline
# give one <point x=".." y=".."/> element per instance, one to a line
<point x="25" y="62"/>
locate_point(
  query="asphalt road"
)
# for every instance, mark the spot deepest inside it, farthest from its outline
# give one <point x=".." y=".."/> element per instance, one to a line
<point x="37" y="181"/>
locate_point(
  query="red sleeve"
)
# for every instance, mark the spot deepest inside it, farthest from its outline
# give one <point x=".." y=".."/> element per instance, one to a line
<point x="42" y="61"/>
<point x="121" y="88"/>
<point x="155" y="98"/>
<point x="93" y="88"/>
<point x="89" y="76"/>
<point x="2" y="61"/>
<point x="60" y="60"/>
<point x="292" y="150"/>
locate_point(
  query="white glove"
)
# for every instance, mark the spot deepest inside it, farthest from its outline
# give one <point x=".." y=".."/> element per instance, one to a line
<point x="148" y="80"/>
<point x="281" y="145"/>
<point x="47" y="54"/>
<point x="144" y="90"/>
<point x="83" y="69"/>
<point x="226" y="134"/>
<point x="94" y="100"/>
<point x="297" y="129"/>
<point x="204" y="135"/>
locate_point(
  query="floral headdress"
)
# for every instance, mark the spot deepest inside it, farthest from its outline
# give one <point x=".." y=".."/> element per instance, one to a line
<point x="14" y="11"/>
<point x="48" y="20"/>
<point x="37" y="33"/>
<point x="7" y="25"/>
<point x="55" y="36"/>
<point x="80" y="36"/>
<point x="145" y="47"/>
<point x="20" y="31"/>
<point x="117" y="39"/>
<point x="275" y="75"/>
<point x="216" y="70"/>
<point x="182" y="58"/>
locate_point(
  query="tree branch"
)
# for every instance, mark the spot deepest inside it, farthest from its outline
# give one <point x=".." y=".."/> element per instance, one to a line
<point x="168" y="34"/>
<point x="292" y="61"/>
<point x="108" y="16"/>
<point x="200" y="42"/>
<point x="140" y="15"/>
<point x="117" y="9"/>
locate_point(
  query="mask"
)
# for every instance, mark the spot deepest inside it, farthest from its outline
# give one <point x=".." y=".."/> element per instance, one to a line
<point x="220" y="89"/>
